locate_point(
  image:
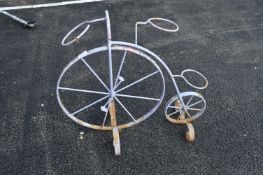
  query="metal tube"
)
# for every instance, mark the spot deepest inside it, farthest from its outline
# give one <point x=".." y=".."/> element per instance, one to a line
<point x="173" y="113"/>
<point x="122" y="61"/>
<point x="195" y="103"/>
<point x="95" y="74"/>
<point x="137" y="81"/>
<point x="125" y="109"/>
<point x="83" y="90"/>
<point x="99" y="100"/>
<point x="106" y="114"/>
<point x="14" y="17"/>
<point x="48" y="5"/>
<point x="138" y="97"/>
<point x="136" y="30"/>
<point x="109" y="53"/>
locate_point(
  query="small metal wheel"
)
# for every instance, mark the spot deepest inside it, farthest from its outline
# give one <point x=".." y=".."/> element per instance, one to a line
<point x="194" y="106"/>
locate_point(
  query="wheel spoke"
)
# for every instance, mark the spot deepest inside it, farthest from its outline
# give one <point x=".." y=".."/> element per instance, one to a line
<point x="189" y="116"/>
<point x="173" y="113"/>
<point x="189" y="100"/>
<point x="121" y="65"/>
<point x="90" y="105"/>
<point x="106" y="114"/>
<point x="195" y="103"/>
<point x="138" y="97"/>
<point x="120" y="79"/>
<point x="105" y="117"/>
<point x="83" y="90"/>
<point x="194" y="109"/>
<point x="135" y="82"/>
<point x="125" y="108"/>
<point x="94" y="73"/>
<point x="175" y="107"/>
<point x="117" y="85"/>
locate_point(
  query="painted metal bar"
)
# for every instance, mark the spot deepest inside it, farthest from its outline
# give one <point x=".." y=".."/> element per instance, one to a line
<point x="117" y="85"/>
<point x="28" y="24"/>
<point x="109" y="52"/>
<point x="105" y="117"/>
<point x="136" y="30"/>
<point x="14" y="17"/>
<point x="95" y="74"/>
<point x="143" y="78"/>
<point x="175" y="107"/>
<point x="189" y="100"/>
<point x="83" y="90"/>
<point x="48" y="5"/>
<point x="125" y="108"/>
<point x="99" y="100"/>
<point x="121" y="65"/>
<point x="194" y="109"/>
<point x="173" y="113"/>
<point x="106" y="114"/>
<point x="195" y="103"/>
<point x="110" y="99"/>
<point x="138" y="97"/>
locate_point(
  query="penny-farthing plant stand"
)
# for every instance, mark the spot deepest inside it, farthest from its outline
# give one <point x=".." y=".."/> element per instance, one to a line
<point x="180" y="109"/>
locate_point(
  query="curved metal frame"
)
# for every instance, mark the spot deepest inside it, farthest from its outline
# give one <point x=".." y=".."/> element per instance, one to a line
<point x="149" y="21"/>
<point x="112" y="93"/>
<point x="130" y="47"/>
<point x="81" y="34"/>
<point x="190" y="84"/>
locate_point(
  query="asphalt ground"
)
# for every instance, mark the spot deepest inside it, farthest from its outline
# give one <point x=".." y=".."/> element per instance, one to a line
<point x="222" y="39"/>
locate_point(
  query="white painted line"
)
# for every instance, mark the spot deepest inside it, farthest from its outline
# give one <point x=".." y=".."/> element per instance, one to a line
<point x="48" y="5"/>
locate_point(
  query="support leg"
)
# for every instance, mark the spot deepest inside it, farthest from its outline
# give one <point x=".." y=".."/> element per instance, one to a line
<point x="190" y="134"/>
<point x="115" y="130"/>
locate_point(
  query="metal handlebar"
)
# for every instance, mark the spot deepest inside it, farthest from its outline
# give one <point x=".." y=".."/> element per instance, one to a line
<point x="190" y="84"/>
<point x="81" y="34"/>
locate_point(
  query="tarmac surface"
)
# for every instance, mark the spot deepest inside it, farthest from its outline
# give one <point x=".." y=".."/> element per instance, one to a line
<point x="222" y="39"/>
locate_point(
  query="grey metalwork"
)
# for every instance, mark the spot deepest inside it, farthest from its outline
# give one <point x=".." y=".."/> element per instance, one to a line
<point x="28" y="24"/>
<point x="33" y="24"/>
<point x="184" y="105"/>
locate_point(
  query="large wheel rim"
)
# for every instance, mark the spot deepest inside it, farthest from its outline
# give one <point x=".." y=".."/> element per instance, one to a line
<point x="134" y="50"/>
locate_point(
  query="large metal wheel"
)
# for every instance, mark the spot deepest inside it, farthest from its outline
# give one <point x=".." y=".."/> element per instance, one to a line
<point x="139" y="87"/>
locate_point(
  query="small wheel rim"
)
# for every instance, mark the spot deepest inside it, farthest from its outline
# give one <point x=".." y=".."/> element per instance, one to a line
<point x="189" y="106"/>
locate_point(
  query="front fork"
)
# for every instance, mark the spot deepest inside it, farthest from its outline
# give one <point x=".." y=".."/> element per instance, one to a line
<point x="112" y="107"/>
<point x="190" y="134"/>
